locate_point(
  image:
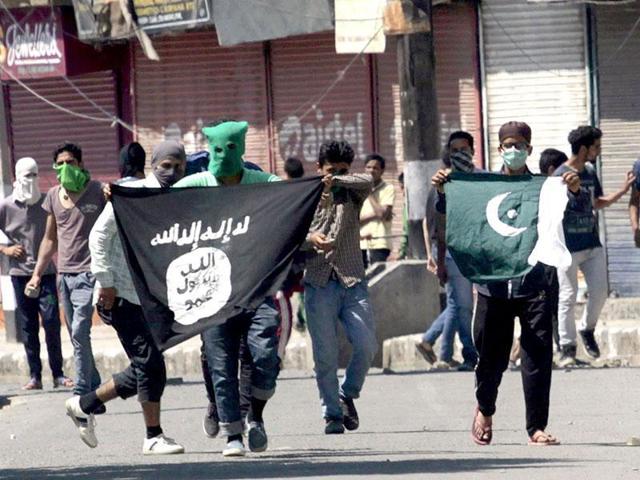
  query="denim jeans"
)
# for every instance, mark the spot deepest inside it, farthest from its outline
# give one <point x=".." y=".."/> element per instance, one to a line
<point x="455" y="317"/>
<point x="76" y="294"/>
<point x="222" y="345"/>
<point x="593" y="264"/>
<point x="27" y="311"/>
<point x="325" y="306"/>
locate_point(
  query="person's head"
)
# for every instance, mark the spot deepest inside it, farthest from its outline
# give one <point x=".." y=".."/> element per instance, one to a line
<point x="132" y="158"/>
<point x="515" y="145"/>
<point x="226" y="147"/>
<point x="335" y="157"/>
<point x="401" y="181"/>
<point x="586" y="142"/>
<point x="550" y="159"/>
<point x="68" y="153"/>
<point x="25" y="188"/>
<point x="168" y="162"/>
<point x="374" y="165"/>
<point x="460" y="151"/>
<point x="293" y="168"/>
<point x="67" y="163"/>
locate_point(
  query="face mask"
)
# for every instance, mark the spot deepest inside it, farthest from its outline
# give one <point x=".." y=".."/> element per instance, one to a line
<point x="515" y="159"/>
<point x="25" y="188"/>
<point x="226" y="148"/>
<point x="461" y="162"/>
<point x="167" y="176"/>
<point x="72" y="178"/>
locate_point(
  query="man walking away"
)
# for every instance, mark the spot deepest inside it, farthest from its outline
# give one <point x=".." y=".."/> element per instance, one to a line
<point x="23" y="221"/>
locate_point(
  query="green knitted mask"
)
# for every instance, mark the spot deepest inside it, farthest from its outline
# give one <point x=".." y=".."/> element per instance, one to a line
<point x="226" y="146"/>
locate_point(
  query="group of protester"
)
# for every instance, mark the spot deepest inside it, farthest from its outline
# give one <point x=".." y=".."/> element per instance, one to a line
<point x="351" y="228"/>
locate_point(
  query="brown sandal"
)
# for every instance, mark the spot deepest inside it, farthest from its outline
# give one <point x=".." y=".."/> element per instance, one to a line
<point x="542" y="439"/>
<point x="480" y="435"/>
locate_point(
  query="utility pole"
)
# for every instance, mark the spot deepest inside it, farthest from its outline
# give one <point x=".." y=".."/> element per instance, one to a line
<point x="419" y="111"/>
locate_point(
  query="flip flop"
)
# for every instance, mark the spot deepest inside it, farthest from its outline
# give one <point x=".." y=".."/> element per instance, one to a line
<point x="480" y="435"/>
<point x="543" y="439"/>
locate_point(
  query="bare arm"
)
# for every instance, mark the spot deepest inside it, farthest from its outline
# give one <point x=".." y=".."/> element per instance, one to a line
<point x="606" y="200"/>
<point x="634" y="201"/>
<point x="48" y="247"/>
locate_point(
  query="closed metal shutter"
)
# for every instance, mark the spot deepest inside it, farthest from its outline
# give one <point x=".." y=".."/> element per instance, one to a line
<point x="37" y="128"/>
<point x="457" y="83"/>
<point x="197" y="82"/>
<point x="534" y="61"/>
<point x="301" y="70"/>
<point x="619" y="105"/>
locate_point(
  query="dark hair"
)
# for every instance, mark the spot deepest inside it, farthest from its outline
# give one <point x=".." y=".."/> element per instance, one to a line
<point x="551" y="158"/>
<point x="460" y="134"/>
<point x="583" y="136"/>
<point x="72" y="148"/>
<point x="377" y="157"/>
<point x="401" y="178"/>
<point x="335" y="151"/>
<point x="132" y="158"/>
<point x="293" y="167"/>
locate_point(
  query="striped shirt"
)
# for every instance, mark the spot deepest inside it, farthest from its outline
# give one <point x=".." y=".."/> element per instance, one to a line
<point x="338" y="218"/>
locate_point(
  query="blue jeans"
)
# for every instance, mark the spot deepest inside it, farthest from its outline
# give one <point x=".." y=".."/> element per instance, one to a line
<point x="325" y="306"/>
<point x="76" y="295"/>
<point x="27" y="310"/>
<point x="455" y="317"/>
<point x="222" y="346"/>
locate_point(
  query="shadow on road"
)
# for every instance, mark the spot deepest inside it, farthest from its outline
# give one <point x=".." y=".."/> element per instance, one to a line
<point x="286" y="466"/>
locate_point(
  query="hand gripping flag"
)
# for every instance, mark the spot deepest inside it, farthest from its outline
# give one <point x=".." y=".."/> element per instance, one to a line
<point x="199" y="256"/>
<point x="500" y="226"/>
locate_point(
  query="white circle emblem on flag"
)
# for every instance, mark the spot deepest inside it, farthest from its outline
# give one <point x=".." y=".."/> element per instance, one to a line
<point x="493" y="217"/>
<point x="198" y="284"/>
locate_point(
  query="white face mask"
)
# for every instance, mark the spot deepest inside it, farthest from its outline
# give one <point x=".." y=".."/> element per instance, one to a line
<point x="26" y="188"/>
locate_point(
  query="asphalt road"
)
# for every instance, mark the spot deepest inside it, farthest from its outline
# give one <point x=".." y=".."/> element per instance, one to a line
<point x="412" y="426"/>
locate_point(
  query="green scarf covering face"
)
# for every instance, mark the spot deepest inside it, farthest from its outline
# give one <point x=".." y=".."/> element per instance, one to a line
<point x="72" y="178"/>
<point x="226" y="147"/>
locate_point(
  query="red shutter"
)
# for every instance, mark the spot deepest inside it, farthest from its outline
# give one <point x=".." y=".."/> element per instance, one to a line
<point x="457" y="83"/>
<point x="302" y="68"/>
<point x="37" y="128"/>
<point x="196" y="82"/>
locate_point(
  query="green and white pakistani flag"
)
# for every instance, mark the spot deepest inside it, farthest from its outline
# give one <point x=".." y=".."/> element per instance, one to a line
<point x="500" y="226"/>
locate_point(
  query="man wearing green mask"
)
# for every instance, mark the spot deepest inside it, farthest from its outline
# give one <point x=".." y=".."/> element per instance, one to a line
<point x="72" y="207"/>
<point x="226" y="167"/>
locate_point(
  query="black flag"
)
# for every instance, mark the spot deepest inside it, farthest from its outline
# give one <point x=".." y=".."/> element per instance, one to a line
<point x="199" y="256"/>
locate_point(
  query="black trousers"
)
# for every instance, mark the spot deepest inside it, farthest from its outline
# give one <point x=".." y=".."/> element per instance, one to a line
<point x="245" y="376"/>
<point x="493" y="336"/>
<point x="146" y="375"/>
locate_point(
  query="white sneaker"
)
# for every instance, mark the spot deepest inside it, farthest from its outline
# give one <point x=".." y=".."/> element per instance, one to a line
<point x="86" y="424"/>
<point x="235" y="448"/>
<point x="161" y="445"/>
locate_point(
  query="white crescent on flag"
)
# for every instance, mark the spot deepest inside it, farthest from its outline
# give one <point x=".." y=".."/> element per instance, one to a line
<point x="493" y="217"/>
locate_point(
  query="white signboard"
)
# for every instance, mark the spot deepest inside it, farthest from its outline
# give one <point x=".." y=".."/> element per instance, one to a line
<point x="359" y="26"/>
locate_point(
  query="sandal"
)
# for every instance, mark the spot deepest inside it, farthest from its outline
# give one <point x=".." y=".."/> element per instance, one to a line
<point x="479" y="434"/>
<point x="542" y="439"/>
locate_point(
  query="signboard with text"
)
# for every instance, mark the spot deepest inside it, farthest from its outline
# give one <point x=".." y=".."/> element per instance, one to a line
<point x="160" y="14"/>
<point x="34" y="46"/>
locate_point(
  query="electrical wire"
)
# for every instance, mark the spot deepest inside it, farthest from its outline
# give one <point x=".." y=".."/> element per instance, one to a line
<point x="113" y="119"/>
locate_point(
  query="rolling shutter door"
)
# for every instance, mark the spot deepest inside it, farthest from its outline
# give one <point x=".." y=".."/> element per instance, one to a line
<point x="535" y="72"/>
<point x="37" y="128"/>
<point x="197" y="82"/>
